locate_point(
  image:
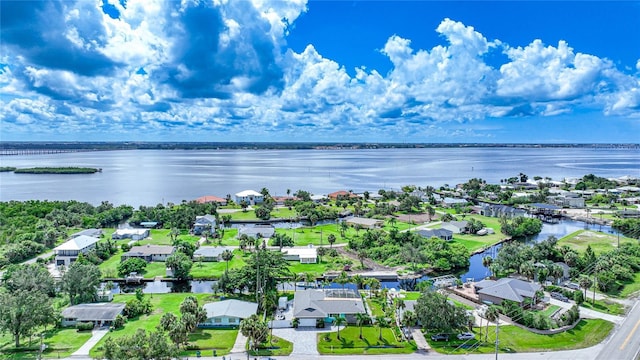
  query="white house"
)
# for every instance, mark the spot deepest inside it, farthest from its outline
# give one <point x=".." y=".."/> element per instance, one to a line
<point x="313" y="305"/>
<point x="149" y="252"/>
<point x="251" y="197"/>
<point x="133" y="234"/>
<point x="210" y="253"/>
<point x="204" y="223"/>
<point x="457" y="227"/>
<point x="305" y="255"/>
<point x="227" y="312"/>
<point x="68" y="252"/>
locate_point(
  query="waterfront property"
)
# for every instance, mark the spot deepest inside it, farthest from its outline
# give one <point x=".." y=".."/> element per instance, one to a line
<point x="210" y="253"/>
<point x="496" y="291"/>
<point x="443" y="234"/>
<point x="257" y="231"/>
<point x="68" y="252"/>
<point x="205" y="223"/>
<point x="313" y="305"/>
<point x="305" y="255"/>
<point x="498" y="210"/>
<point x="96" y="233"/>
<point x="133" y="234"/>
<point x="251" y="197"/>
<point x="366" y="223"/>
<point x="457" y="227"/>
<point x="211" y="199"/>
<point x="149" y="252"/>
<point x="341" y="194"/>
<point x="227" y="312"/>
<point x="100" y="314"/>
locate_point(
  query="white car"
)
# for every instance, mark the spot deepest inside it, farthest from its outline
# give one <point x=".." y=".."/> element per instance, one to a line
<point x="466" y="336"/>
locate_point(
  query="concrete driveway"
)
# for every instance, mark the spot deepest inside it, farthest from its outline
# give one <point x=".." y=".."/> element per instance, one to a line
<point x="305" y="340"/>
<point x="96" y="335"/>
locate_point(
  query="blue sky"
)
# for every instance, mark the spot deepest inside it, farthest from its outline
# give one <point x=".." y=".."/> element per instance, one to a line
<point x="358" y="71"/>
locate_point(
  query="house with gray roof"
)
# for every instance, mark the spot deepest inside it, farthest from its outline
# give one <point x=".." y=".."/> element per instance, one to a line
<point x="204" y="223"/>
<point x="443" y="234"/>
<point x="96" y="233"/>
<point x="257" y="231"/>
<point x="496" y="291"/>
<point x="365" y="223"/>
<point x="457" y="227"/>
<point x="498" y="210"/>
<point x="311" y="305"/>
<point x="210" y="253"/>
<point x="149" y="252"/>
<point x="100" y="314"/>
<point x="227" y="313"/>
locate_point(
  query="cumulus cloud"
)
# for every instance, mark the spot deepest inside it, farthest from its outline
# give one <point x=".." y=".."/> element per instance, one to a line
<point x="150" y="66"/>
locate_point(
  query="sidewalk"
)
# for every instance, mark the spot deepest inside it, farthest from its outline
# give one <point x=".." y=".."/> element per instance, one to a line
<point x="83" y="352"/>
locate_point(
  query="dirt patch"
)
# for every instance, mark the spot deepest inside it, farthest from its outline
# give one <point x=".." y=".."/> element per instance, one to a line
<point x="416" y="218"/>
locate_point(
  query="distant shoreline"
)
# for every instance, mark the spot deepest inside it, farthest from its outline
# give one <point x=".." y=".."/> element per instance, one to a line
<point x="27" y="148"/>
<point x="53" y="170"/>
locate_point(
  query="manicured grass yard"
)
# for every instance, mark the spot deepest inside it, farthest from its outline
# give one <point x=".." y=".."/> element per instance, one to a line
<point x="162" y="303"/>
<point x="630" y="287"/>
<point x="351" y="344"/>
<point x="214" y="270"/>
<point x="275" y="346"/>
<point x="607" y="307"/>
<point x="600" y="242"/>
<point x="207" y="340"/>
<point x="316" y="269"/>
<point x="550" y="310"/>
<point x="311" y="235"/>
<point x="60" y="343"/>
<point x="514" y="339"/>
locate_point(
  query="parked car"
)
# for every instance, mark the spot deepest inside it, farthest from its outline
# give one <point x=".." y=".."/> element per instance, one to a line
<point x="466" y="336"/>
<point x="572" y="286"/>
<point x="440" y="337"/>
<point x="558" y="296"/>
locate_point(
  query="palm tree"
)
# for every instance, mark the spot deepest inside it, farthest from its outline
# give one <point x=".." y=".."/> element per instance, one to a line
<point x="374" y="285"/>
<point x="331" y="239"/>
<point x="430" y="211"/>
<point x="585" y="283"/>
<point x="244" y="240"/>
<point x="358" y="280"/>
<point x="486" y="262"/>
<point x="362" y="319"/>
<point x="309" y="278"/>
<point x="381" y="322"/>
<point x="343" y="279"/>
<point x="527" y="269"/>
<point x="339" y="322"/>
<point x="392" y="222"/>
<point x="227" y="255"/>
<point x="492" y="314"/>
<point x="343" y="228"/>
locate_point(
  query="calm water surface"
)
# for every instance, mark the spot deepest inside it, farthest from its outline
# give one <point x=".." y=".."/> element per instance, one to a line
<point x="148" y="177"/>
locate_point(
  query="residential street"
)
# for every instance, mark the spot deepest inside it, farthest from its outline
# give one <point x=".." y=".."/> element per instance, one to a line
<point x="625" y="343"/>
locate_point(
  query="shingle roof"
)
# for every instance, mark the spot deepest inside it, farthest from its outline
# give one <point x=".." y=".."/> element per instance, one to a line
<point x="315" y="303"/>
<point x="266" y="231"/>
<point x="210" y="251"/>
<point x="88" y="232"/>
<point x="205" y="220"/>
<point x="78" y="243"/>
<point x="93" y="312"/>
<point x="511" y="289"/>
<point x="148" y="249"/>
<point x="440" y="233"/>
<point x="236" y="308"/>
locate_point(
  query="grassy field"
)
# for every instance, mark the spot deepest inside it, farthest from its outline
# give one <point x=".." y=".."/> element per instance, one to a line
<point x="277" y="213"/>
<point x="162" y="303"/>
<point x="214" y="270"/>
<point x="630" y="287"/>
<point x="60" y="343"/>
<point x="600" y="242"/>
<point x="316" y="269"/>
<point x="514" y="339"/>
<point x="550" y="310"/>
<point x="608" y="307"/>
<point x="311" y="235"/>
<point x="370" y="344"/>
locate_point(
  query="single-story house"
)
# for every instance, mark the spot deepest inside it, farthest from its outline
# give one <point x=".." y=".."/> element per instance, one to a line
<point x="280" y="200"/>
<point x="366" y="223"/>
<point x="211" y="199"/>
<point x="204" y="223"/>
<point x="96" y="233"/>
<point x="251" y="197"/>
<point x="67" y="253"/>
<point x="443" y="234"/>
<point x="100" y="314"/>
<point x="457" y="227"/>
<point x="256" y="231"/>
<point x="306" y="255"/>
<point x="318" y="198"/>
<point x="497" y="210"/>
<point x="341" y="194"/>
<point x="149" y="252"/>
<point x="450" y="202"/>
<point x="133" y="234"/>
<point x="210" y="253"/>
<point x="311" y="305"/>
<point x="227" y="312"/>
<point x="495" y="291"/>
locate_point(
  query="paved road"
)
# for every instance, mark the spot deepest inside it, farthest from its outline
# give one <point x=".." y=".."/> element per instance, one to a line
<point x="625" y="342"/>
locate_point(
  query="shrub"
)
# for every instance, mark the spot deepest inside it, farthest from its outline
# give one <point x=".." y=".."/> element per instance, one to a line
<point x="119" y="321"/>
<point x="84" y="326"/>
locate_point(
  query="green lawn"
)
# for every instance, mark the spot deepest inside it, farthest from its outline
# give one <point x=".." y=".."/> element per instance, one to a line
<point x="207" y="340"/>
<point x="607" y="307"/>
<point x="630" y="287"/>
<point x="311" y="235"/>
<point x="550" y="310"/>
<point x="375" y="306"/>
<point x="60" y="343"/>
<point x="214" y="270"/>
<point x="277" y="213"/>
<point x="370" y="344"/>
<point x="317" y="269"/>
<point x="600" y="242"/>
<point x="514" y="339"/>
<point x="411" y="295"/>
<point x="275" y="346"/>
<point x="162" y="303"/>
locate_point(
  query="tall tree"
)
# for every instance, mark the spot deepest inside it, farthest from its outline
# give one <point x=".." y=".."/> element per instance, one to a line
<point x="433" y="308"/>
<point x="81" y="282"/>
<point x="339" y="321"/>
<point x="381" y="323"/>
<point x="361" y="320"/>
<point x="21" y="312"/>
<point x="331" y="239"/>
<point x="31" y="277"/>
<point x="180" y="264"/>
<point x="491" y="314"/>
<point x="255" y="329"/>
<point x="227" y="255"/>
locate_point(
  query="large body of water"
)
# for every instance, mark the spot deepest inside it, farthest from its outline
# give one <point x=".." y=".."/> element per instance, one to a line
<point x="149" y="177"/>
